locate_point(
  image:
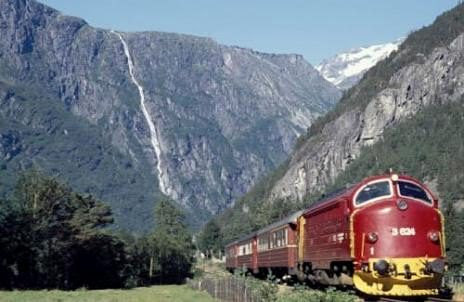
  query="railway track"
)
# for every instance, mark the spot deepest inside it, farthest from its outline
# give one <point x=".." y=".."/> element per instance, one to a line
<point x="429" y="299"/>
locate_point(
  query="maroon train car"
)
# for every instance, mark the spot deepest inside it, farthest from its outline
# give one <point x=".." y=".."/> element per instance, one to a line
<point x="231" y="252"/>
<point x="242" y="254"/>
<point x="270" y="249"/>
<point x="384" y="235"/>
<point x="277" y="246"/>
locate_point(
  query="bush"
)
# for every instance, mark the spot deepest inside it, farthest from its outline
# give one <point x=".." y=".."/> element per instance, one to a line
<point x="305" y="295"/>
<point x="265" y="291"/>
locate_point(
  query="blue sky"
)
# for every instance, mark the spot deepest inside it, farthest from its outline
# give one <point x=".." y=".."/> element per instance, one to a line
<point x="315" y="28"/>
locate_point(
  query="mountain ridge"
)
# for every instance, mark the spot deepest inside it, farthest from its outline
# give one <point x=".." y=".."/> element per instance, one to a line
<point x="345" y="69"/>
<point x="224" y="116"/>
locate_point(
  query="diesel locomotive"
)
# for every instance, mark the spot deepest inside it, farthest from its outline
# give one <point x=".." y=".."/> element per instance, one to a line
<point x="384" y="236"/>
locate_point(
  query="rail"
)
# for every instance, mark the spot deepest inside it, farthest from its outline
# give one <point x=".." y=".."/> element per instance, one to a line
<point x="429" y="299"/>
<point x="227" y="289"/>
<point x="232" y="289"/>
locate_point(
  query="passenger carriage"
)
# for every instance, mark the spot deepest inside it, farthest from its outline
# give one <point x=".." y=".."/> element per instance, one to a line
<point x="277" y="246"/>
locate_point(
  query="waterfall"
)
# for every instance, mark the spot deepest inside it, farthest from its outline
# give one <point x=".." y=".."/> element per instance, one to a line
<point x="154" y="136"/>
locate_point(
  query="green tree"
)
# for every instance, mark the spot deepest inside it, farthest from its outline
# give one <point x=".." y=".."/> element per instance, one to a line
<point x="172" y="249"/>
<point x="454" y="239"/>
<point x="51" y="236"/>
<point x="210" y="239"/>
<point x="15" y="247"/>
<point x="141" y="256"/>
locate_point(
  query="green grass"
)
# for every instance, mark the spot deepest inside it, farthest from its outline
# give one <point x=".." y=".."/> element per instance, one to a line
<point x="459" y="288"/>
<point x="162" y="293"/>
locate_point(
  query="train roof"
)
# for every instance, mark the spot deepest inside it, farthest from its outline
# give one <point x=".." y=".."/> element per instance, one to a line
<point x="287" y="220"/>
<point x="247" y="237"/>
<point x="243" y="238"/>
<point x="231" y="243"/>
<point x="331" y="196"/>
<point x="350" y="188"/>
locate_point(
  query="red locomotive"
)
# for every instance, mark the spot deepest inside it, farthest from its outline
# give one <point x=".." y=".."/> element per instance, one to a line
<point x="384" y="235"/>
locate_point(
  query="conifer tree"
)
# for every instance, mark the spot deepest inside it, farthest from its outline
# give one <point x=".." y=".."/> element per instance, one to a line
<point x="173" y="249"/>
<point x="210" y="240"/>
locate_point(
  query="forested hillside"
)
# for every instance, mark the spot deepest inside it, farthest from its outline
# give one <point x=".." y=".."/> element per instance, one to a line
<point x="405" y="114"/>
<point x="429" y="146"/>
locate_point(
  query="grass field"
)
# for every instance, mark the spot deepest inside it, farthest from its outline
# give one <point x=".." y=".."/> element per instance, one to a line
<point x="162" y="293"/>
<point x="458" y="292"/>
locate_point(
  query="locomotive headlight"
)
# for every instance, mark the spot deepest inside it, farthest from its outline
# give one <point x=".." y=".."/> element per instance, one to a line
<point x="382" y="267"/>
<point x="402" y="205"/>
<point x="434" y="236"/>
<point x="372" y="237"/>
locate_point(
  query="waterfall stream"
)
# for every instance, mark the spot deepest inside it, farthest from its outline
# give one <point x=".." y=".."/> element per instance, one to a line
<point x="154" y="136"/>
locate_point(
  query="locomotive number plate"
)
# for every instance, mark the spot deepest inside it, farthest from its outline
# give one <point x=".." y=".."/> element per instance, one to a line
<point x="403" y="231"/>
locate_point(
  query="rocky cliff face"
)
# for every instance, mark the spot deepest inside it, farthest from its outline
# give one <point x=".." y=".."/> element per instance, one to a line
<point x="438" y="77"/>
<point x="132" y="117"/>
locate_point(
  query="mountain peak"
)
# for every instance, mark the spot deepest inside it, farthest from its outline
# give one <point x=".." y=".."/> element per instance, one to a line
<point x="346" y="69"/>
<point x="136" y="115"/>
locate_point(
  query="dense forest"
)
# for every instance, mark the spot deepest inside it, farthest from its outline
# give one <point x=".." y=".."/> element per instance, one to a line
<point x="53" y="237"/>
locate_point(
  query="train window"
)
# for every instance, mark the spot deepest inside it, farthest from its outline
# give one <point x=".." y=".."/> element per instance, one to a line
<point x="263" y="242"/>
<point x="279" y="238"/>
<point x="244" y="249"/>
<point x="373" y="191"/>
<point x="408" y="189"/>
<point x="230" y="252"/>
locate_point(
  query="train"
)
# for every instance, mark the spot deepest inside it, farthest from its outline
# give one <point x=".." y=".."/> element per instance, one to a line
<point x="384" y="236"/>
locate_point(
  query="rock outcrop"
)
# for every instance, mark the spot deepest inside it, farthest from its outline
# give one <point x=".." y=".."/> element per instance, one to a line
<point x="438" y="78"/>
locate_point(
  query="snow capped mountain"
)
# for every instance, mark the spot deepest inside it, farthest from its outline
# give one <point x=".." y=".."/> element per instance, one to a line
<point x="346" y="69"/>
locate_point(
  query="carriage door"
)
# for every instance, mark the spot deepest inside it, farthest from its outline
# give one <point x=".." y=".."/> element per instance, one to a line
<point x="254" y="255"/>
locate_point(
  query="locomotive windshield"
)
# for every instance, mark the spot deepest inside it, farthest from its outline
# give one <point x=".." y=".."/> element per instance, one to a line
<point x="408" y="189"/>
<point x="373" y="191"/>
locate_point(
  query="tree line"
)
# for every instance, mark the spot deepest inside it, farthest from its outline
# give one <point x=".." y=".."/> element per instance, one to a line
<point x="53" y="237"/>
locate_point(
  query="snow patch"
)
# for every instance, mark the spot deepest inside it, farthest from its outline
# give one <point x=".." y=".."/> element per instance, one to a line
<point x="351" y="65"/>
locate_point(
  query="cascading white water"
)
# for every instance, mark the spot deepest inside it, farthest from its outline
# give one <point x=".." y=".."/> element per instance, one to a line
<point x="154" y="138"/>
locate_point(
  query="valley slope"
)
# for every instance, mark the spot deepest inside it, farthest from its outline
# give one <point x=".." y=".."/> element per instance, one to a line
<point x="215" y="117"/>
